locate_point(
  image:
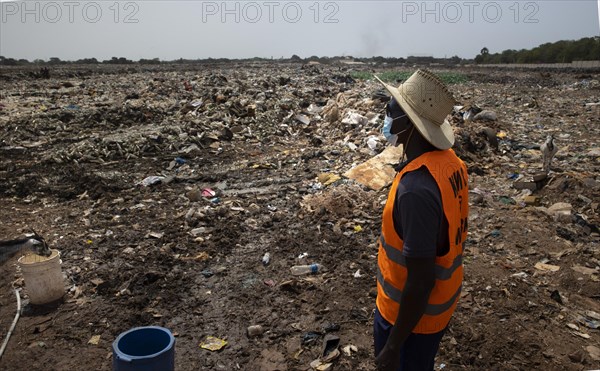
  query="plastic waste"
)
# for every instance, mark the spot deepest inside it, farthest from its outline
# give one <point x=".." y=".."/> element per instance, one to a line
<point x="299" y="270"/>
<point x="354" y="118"/>
<point x="330" y="345"/>
<point x="372" y="143"/>
<point x="486" y="115"/>
<point x="349" y="349"/>
<point x="302" y="119"/>
<point x="207" y="192"/>
<point x="151" y="180"/>
<point x="213" y="343"/>
<point x="178" y="161"/>
<point x="266" y="259"/>
<point x="309" y="337"/>
<point x="468" y="116"/>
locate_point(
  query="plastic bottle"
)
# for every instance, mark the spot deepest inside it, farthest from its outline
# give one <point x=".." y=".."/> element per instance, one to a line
<point x="298" y="270"/>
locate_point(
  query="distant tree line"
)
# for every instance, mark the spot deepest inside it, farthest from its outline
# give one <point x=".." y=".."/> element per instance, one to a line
<point x="54" y="61"/>
<point x="566" y="51"/>
<point x="114" y="60"/>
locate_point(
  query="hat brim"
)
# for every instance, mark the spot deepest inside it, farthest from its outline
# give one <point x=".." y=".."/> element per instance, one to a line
<point x="440" y="136"/>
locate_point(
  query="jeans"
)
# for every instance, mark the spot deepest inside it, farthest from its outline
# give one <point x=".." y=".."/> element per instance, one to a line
<point x="417" y="353"/>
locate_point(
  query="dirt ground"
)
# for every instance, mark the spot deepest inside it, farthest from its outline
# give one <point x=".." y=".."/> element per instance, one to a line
<point x="74" y="149"/>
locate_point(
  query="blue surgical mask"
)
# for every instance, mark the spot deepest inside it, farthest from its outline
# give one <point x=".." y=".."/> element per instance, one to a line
<point x="387" y="130"/>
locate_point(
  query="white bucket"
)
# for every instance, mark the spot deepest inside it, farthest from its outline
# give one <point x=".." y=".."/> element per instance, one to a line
<point x="43" y="278"/>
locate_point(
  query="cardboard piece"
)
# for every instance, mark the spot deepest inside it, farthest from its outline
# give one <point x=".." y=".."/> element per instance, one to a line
<point x="377" y="172"/>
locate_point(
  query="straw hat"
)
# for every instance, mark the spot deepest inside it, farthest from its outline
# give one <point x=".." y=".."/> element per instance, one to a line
<point x="427" y="102"/>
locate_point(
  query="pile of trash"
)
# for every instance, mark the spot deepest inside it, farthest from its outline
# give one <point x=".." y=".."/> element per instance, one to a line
<point x="240" y="206"/>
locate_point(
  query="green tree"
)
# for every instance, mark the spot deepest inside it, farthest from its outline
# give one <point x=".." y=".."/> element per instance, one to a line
<point x="508" y="56"/>
<point x="564" y="51"/>
<point x="149" y="61"/>
<point x="9" y="62"/>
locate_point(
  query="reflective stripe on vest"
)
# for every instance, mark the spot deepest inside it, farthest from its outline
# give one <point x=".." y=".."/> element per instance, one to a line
<point x="431" y="309"/>
<point x="441" y="273"/>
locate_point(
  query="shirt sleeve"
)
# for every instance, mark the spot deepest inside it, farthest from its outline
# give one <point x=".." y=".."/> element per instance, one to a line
<point x="419" y="218"/>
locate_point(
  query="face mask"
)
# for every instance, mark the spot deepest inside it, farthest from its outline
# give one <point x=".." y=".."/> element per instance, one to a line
<point x="387" y="130"/>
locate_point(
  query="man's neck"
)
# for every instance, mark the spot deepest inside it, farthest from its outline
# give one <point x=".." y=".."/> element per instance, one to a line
<point x="417" y="145"/>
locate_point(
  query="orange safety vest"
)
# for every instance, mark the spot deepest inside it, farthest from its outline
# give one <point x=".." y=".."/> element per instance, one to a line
<point x="450" y="174"/>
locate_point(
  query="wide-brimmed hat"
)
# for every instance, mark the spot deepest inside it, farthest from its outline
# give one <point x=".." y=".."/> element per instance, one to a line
<point x="427" y="102"/>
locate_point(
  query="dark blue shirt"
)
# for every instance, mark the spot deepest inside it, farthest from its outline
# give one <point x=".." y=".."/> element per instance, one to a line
<point x="419" y="216"/>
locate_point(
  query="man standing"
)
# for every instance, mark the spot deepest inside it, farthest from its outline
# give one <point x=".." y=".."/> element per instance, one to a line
<point x="424" y="226"/>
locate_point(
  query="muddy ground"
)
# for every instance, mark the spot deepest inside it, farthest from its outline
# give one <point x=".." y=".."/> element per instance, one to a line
<point x="74" y="149"/>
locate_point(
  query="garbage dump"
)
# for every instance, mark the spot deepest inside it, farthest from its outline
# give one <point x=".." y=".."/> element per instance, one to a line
<point x="182" y="196"/>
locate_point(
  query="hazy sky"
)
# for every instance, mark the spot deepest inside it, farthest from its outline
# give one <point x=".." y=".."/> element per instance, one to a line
<point x="237" y="29"/>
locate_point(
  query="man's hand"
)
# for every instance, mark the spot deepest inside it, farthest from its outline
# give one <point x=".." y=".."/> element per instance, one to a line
<point x="388" y="359"/>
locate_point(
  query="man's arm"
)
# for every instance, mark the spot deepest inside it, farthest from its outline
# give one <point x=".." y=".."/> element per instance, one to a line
<point x="419" y="283"/>
<point x="419" y="212"/>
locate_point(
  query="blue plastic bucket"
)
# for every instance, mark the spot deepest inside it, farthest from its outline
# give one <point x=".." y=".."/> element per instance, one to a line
<point x="144" y="348"/>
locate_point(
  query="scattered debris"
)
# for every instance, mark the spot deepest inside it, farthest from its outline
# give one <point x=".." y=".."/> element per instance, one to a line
<point x="151" y="180"/>
<point x="378" y="171"/>
<point x="546" y="267"/>
<point x="586" y="271"/>
<point x="594" y="352"/>
<point x="255" y="330"/>
<point x="246" y="158"/>
<point x="486" y="116"/>
<point x="213" y="344"/>
<point x="266" y="259"/>
<point x="94" y="340"/>
<point x="319" y="365"/>
<point x="349" y="350"/>
<point x="548" y="149"/>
